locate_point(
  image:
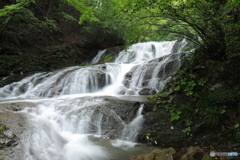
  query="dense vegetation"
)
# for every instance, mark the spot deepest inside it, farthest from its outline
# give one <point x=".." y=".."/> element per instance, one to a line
<point x="207" y="83"/>
<point x="42" y="35"/>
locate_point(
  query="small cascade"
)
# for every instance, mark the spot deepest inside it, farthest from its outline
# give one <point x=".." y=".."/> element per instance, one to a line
<point x="130" y="131"/>
<point x="168" y="65"/>
<point x="116" y="73"/>
<point x="154" y="73"/>
<point x="143" y="52"/>
<point x="73" y="80"/>
<point x="97" y="58"/>
<point x="61" y="129"/>
<point x="158" y="81"/>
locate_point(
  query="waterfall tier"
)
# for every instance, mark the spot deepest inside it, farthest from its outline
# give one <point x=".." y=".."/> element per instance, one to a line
<point x="143" y="66"/>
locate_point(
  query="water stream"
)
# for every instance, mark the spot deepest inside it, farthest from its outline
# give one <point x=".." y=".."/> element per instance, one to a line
<point x="67" y="123"/>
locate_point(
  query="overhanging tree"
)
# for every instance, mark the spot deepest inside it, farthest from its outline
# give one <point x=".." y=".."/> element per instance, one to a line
<point x="211" y="24"/>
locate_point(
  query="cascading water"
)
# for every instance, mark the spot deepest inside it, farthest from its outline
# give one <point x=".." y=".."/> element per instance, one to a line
<point x="130" y="131"/>
<point x="97" y="58"/>
<point x="80" y="105"/>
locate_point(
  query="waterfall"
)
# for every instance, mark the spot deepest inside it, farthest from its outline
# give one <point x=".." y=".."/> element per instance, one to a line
<point x="75" y="103"/>
<point x="105" y="79"/>
<point x="130" y="131"/>
<point x="97" y="58"/>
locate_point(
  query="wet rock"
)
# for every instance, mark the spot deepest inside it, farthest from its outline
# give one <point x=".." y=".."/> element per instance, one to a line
<point x="15" y="106"/>
<point x="169" y="68"/>
<point x="23" y="88"/>
<point x="114" y="113"/>
<point x="127" y="79"/>
<point x="13" y="78"/>
<point x="147" y="91"/>
<point x="158" y="130"/>
<point x="176" y="46"/>
<point x="157" y="70"/>
<point x="11" y="135"/>
<point x="156" y="154"/>
<point x="57" y="90"/>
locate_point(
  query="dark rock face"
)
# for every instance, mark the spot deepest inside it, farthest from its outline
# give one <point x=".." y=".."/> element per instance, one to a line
<point x="157" y="129"/>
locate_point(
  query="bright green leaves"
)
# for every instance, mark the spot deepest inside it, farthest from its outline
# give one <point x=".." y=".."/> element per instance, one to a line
<point x="175" y="115"/>
<point x="189" y="18"/>
<point x="88" y="15"/>
<point x="86" y="8"/>
<point x="188" y="84"/>
<point x="11" y="9"/>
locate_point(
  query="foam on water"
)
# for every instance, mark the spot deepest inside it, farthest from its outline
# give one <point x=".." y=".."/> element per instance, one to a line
<point x="62" y="119"/>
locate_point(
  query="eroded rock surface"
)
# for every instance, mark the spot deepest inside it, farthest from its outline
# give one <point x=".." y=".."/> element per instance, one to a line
<point x="14" y="125"/>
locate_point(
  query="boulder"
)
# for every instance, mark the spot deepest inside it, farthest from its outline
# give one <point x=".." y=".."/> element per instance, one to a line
<point x="147" y="91"/>
<point x="193" y="153"/>
<point x="115" y="113"/>
<point x="156" y="154"/>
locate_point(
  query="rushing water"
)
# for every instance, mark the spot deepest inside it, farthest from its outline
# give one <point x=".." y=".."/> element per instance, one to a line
<point x="63" y="124"/>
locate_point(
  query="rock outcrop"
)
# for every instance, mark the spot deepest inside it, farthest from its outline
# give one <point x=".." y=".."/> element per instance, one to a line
<point x="114" y="112"/>
<point x="13" y="126"/>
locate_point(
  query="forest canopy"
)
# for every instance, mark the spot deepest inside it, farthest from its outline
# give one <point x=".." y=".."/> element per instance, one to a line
<point x="211" y="24"/>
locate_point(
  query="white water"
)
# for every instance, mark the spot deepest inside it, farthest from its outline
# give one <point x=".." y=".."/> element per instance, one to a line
<point x="130" y="132"/>
<point x="97" y="58"/>
<point x="63" y="123"/>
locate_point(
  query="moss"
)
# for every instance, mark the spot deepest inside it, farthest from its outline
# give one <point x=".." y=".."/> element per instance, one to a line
<point x="107" y="58"/>
<point x="2" y="128"/>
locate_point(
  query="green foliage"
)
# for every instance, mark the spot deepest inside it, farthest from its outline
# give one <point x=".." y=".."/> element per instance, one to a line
<point x="68" y="17"/>
<point x="187" y="130"/>
<point x="215" y="22"/>
<point x="175" y="115"/>
<point x="2" y="128"/>
<point x="189" y="98"/>
<point x="107" y="58"/>
<point x="230" y="134"/>
<point x="188" y="83"/>
<point x="48" y="23"/>
<point x="8" y="62"/>
<point x="86" y="7"/>
<point x="11" y="9"/>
